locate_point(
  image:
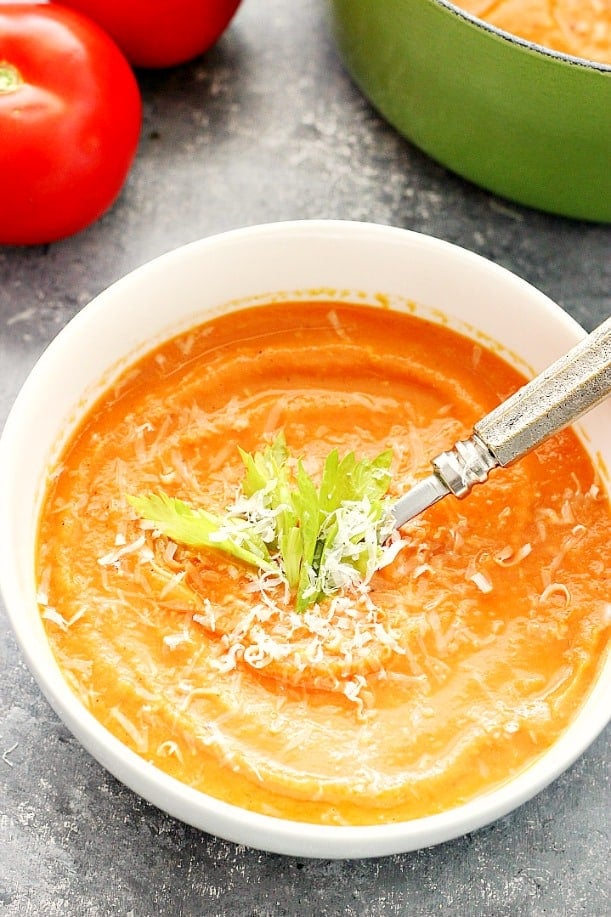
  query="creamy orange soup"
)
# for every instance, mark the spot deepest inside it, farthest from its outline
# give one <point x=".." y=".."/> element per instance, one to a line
<point x="581" y="28"/>
<point x="456" y="667"/>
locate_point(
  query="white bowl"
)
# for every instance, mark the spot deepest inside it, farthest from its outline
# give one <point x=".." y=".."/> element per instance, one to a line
<point x="331" y="260"/>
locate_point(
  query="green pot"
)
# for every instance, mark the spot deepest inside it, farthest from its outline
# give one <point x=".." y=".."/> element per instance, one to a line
<point x="528" y="124"/>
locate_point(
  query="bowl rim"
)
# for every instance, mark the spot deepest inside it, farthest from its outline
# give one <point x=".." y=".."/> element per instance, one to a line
<point x="196" y="808"/>
<point x="533" y="46"/>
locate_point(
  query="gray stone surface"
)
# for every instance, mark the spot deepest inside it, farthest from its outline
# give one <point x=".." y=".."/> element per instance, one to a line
<point x="267" y="126"/>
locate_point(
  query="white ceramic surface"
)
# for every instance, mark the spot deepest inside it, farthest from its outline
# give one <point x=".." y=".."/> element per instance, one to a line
<point x="330" y="260"/>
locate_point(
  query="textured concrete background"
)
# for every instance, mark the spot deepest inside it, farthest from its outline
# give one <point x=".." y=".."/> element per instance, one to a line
<point x="267" y="126"/>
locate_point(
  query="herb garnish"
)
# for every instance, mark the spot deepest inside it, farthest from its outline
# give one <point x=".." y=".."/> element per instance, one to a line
<point x="318" y="540"/>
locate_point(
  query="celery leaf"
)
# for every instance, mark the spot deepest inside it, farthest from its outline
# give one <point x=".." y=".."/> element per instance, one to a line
<point x="319" y="539"/>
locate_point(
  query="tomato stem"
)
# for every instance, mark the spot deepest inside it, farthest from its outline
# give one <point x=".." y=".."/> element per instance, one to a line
<point x="10" y="77"/>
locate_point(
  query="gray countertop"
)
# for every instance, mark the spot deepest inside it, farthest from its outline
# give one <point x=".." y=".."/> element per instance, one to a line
<point x="268" y="126"/>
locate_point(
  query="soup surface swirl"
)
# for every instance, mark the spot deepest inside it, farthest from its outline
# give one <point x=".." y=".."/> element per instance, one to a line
<point x="454" y="669"/>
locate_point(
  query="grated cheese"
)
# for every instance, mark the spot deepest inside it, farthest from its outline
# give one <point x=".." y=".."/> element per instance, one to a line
<point x="507" y="558"/>
<point x="52" y="614"/>
<point x="482" y="582"/>
<point x="421" y="569"/>
<point x="336" y="324"/>
<point x="172" y="641"/>
<point x="113" y="557"/>
<point x="172" y="582"/>
<point x="138" y="736"/>
<point x="326" y="645"/>
<point x="170" y="748"/>
<point x="555" y="589"/>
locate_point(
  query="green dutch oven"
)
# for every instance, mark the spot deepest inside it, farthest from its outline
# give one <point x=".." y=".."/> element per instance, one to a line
<point x="529" y="124"/>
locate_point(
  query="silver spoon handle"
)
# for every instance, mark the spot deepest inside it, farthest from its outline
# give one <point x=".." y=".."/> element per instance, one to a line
<point x="572" y="385"/>
<point x="568" y="388"/>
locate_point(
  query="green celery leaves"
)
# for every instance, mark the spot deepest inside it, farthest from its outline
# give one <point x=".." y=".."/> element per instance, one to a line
<point x="318" y="540"/>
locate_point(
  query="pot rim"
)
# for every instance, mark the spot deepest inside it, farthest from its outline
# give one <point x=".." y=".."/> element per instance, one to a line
<point x="509" y="37"/>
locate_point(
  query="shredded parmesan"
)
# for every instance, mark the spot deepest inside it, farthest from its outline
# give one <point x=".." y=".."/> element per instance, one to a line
<point x="113" y="557"/>
<point x="138" y="736"/>
<point x="508" y="558"/>
<point x="482" y="582"/>
<point x="172" y="583"/>
<point x="52" y="614"/>
<point x="421" y="569"/>
<point x="336" y="324"/>
<point x="556" y="589"/>
<point x="170" y="748"/>
<point x="172" y="641"/>
<point x="327" y="644"/>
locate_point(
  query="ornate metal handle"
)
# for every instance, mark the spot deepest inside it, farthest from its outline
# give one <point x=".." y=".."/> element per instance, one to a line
<point x="572" y="385"/>
<point x="568" y="388"/>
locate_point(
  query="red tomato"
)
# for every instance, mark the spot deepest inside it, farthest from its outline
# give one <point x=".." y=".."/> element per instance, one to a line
<point x="160" y="33"/>
<point x="70" y="117"/>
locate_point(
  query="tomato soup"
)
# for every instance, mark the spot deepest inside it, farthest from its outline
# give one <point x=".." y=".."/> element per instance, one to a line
<point x="451" y="671"/>
<point x="581" y="28"/>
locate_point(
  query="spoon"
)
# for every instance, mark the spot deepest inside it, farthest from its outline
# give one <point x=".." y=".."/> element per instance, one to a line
<point x="574" y="384"/>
